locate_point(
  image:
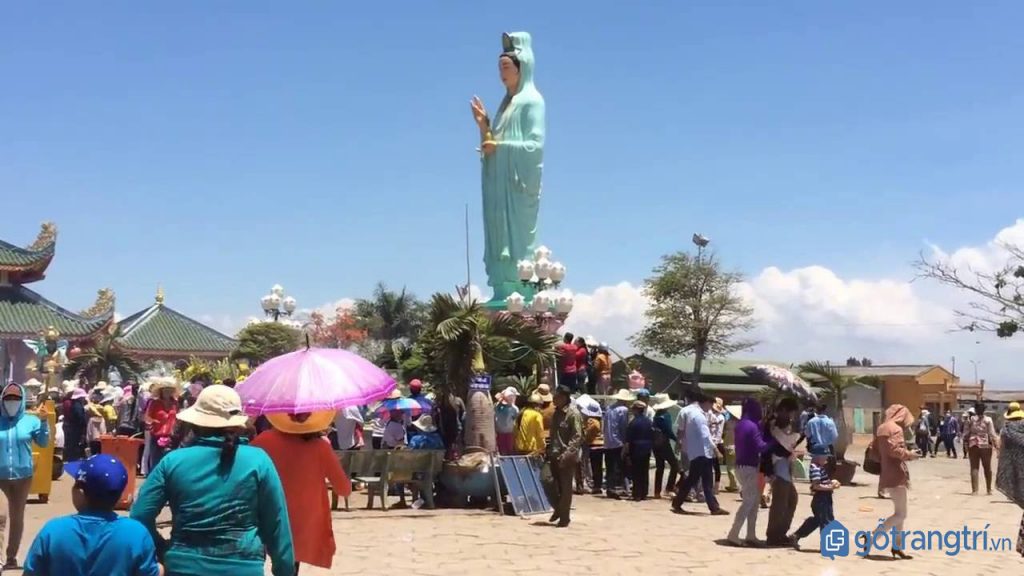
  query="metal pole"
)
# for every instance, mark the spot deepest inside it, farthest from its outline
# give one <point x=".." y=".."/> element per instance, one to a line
<point x="468" y="278"/>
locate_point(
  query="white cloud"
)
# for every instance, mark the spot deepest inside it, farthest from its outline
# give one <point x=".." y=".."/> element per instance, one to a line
<point x="987" y="258"/>
<point x="329" y="310"/>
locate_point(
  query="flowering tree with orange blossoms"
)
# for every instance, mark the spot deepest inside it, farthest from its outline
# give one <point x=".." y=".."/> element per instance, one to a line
<point x="340" y="331"/>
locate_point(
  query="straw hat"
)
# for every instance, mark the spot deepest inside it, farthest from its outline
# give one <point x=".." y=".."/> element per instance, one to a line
<point x="639" y="405"/>
<point x="535" y="399"/>
<point x="317" y="422"/>
<point x="623" y="395"/>
<point x="1013" y="411"/>
<point x="157" y="384"/>
<point x="217" y="406"/>
<point x="425" y="423"/>
<point x="100" y="386"/>
<point x="544" y="391"/>
<point x="662" y="402"/>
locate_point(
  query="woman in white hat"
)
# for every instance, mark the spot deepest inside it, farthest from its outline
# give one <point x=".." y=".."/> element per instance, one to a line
<point x="227" y="504"/>
<point x="160" y="418"/>
<point x="505" y="415"/>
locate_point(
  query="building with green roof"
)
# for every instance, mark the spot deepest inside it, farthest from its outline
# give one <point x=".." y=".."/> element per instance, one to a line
<point x="719" y="377"/>
<point x="162" y="333"/>
<point x="27" y="315"/>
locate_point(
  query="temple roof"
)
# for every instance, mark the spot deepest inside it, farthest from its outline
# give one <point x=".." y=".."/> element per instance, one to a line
<point x="24" y="314"/>
<point x="162" y="331"/>
<point x="24" y="265"/>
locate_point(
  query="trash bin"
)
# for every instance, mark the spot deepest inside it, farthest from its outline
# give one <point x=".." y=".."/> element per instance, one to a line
<point x="125" y="449"/>
<point x="42" y="460"/>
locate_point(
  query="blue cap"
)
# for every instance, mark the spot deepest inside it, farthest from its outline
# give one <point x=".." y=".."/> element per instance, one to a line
<point x="101" y="476"/>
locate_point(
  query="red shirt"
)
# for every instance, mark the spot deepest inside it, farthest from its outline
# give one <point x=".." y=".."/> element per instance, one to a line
<point x="582" y="355"/>
<point x="567" y="359"/>
<point x="163" y="417"/>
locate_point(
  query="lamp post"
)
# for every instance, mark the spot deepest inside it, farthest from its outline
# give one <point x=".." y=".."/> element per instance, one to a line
<point x="700" y="345"/>
<point x="276" y="304"/>
<point x="975" y="364"/>
<point x="541" y="277"/>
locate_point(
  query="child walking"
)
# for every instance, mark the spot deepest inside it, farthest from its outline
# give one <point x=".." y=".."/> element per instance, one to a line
<point x="822" y="488"/>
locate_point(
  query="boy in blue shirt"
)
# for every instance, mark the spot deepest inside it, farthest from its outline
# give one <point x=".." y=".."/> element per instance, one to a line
<point x="96" y="541"/>
<point x="822" y="488"/>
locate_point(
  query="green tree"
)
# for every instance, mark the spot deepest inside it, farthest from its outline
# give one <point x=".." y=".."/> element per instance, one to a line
<point x="262" y="341"/>
<point x="95" y="362"/>
<point x="390" y="315"/>
<point x="998" y="297"/>
<point x="836" y="386"/>
<point x="468" y="341"/>
<point x="694" y="308"/>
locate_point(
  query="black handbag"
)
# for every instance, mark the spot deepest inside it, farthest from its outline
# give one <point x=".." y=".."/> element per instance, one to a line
<point x="872" y="465"/>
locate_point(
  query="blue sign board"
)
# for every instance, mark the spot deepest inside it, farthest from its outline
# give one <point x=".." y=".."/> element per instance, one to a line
<point x="481" y="383"/>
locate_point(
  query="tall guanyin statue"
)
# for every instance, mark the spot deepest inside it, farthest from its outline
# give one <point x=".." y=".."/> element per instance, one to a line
<point x="512" y="153"/>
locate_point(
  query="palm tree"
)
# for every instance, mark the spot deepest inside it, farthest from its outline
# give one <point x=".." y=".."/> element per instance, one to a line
<point x="96" y="361"/>
<point x="390" y="315"/>
<point x="836" y="385"/>
<point x="466" y="336"/>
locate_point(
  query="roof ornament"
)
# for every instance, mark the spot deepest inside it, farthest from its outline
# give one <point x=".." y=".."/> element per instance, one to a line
<point x="47" y="237"/>
<point x="159" y="295"/>
<point x="104" y="304"/>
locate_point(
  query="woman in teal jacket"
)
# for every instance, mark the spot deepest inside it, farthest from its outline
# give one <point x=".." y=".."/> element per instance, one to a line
<point x="17" y="432"/>
<point x="226" y="499"/>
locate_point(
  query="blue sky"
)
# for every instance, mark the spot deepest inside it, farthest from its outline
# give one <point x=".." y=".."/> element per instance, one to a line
<point x="220" y="147"/>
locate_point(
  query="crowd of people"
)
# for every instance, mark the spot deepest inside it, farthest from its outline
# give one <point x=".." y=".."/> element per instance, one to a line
<point x="239" y="492"/>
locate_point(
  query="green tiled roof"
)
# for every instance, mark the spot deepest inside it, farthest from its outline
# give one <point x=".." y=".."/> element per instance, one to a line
<point x="16" y="257"/>
<point x="725" y="367"/>
<point x="159" y="329"/>
<point x="23" y="314"/>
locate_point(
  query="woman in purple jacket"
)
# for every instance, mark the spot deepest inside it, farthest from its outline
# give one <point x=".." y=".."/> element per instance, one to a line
<point x="750" y="444"/>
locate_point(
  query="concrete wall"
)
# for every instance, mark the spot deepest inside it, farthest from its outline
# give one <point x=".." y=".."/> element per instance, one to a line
<point x="866" y="401"/>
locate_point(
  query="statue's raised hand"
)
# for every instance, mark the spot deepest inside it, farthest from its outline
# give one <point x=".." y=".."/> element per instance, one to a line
<point x="479" y="113"/>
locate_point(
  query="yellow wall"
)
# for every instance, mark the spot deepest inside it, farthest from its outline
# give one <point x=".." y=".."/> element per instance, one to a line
<point x="911" y="390"/>
<point x="901" y="390"/>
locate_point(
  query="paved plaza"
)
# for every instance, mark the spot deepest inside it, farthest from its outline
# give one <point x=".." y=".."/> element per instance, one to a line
<point x="621" y="537"/>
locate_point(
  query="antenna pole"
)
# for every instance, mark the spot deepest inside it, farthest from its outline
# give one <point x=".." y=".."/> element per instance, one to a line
<point x="468" y="271"/>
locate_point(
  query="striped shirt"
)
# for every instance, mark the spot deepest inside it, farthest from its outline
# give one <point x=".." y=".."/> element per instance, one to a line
<point x="819" y="475"/>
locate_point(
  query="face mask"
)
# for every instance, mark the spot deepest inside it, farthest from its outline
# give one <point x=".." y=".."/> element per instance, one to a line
<point x="12" y="407"/>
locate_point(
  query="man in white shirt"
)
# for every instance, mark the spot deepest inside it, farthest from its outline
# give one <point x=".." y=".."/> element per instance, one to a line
<point x="701" y="450"/>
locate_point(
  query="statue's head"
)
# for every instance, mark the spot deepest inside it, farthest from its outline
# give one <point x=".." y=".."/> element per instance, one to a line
<point x="515" y="64"/>
<point x="509" y="68"/>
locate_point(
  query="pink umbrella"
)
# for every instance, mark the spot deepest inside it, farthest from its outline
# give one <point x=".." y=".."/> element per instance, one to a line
<point x="312" y="380"/>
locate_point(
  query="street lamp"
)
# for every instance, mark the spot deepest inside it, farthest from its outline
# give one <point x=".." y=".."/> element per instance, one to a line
<point x="701" y="241"/>
<point x="975" y="364"/>
<point x="276" y="304"/>
<point x="541" y="272"/>
<point x="541" y="276"/>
